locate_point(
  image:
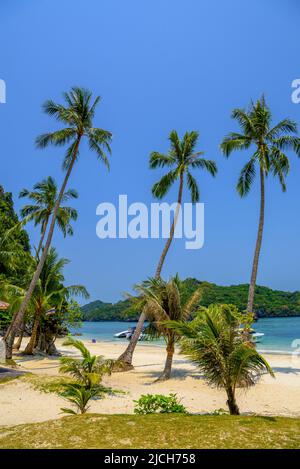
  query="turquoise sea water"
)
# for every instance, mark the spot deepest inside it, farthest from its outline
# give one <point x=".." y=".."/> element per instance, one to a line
<point x="280" y="334"/>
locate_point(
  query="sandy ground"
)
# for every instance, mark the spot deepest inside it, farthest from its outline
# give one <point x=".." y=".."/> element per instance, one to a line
<point x="20" y="403"/>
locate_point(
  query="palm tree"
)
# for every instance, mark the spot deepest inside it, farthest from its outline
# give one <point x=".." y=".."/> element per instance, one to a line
<point x="77" y="117"/>
<point x="87" y="370"/>
<point x="269" y="156"/>
<point x="215" y="343"/>
<point x="44" y="196"/>
<point x="50" y="293"/>
<point x="79" y="396"/>
<point x="162" y="302"/>
<point x="181" y="159"/>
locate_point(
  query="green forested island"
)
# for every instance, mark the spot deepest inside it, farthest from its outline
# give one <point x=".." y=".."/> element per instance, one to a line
<point x="268" y="302"/>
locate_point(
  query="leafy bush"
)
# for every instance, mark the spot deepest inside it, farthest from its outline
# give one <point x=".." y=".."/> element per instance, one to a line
<point x="158" y="404"/>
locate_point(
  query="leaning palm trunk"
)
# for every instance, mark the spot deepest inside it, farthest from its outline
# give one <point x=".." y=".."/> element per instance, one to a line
<point x="126" y="358"/>
<point x="258" y="244"/>
<point x="34" y="335"/>
<point x="18" y="318"/>
<point x="42" y="237"/>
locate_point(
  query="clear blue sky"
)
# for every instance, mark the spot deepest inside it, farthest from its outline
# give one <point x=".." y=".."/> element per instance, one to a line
<point x="158" y="65"/>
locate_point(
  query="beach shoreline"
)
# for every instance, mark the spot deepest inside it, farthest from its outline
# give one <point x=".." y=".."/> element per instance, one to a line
<point x="22" y="403"/>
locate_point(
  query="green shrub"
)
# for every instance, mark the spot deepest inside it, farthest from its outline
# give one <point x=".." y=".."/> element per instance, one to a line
<point x="158" y="404"/>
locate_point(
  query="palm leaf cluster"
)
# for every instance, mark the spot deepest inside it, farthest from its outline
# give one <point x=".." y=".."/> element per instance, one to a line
<point x="271" y="144"/>
<point x="43" y="196"/>
<point x="181" y="158"/>
<point x="77" y="116"/>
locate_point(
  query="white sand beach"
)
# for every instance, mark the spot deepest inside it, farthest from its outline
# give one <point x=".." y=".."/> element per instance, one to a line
<point x="21" y="403"/>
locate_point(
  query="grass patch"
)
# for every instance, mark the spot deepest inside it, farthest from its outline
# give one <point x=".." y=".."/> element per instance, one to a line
<point x="55" y="384"/>
<point x="47" y="384"/>
<point x="8" y="379"/>
<point x="155" y="431"/>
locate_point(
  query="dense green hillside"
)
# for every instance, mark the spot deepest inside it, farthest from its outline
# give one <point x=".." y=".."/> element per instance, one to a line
<point x="268" y="302"/>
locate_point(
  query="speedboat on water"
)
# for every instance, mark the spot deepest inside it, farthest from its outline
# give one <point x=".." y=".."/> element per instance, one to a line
<point x="258" y="334"/>
<point x="123" y="334"/>
<point x="128" y="334"/>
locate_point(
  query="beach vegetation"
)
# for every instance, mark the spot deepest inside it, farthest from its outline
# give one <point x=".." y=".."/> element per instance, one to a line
<point x="159" y="403"/>
<point x="162" y="301"/>
<point x="214" y="342"/>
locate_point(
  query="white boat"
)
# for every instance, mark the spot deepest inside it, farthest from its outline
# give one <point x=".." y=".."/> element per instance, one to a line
<point x="258" y="334"/>
<point x="122" y="335"/>
<point x="128" y="333"/>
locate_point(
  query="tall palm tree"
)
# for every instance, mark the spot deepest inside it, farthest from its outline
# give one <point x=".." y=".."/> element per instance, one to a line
<point x="44" y="196"/>
<point x="270" y="143"/>
<point x="181" y="159"/>
<point x="77" y="116"/>
<point x="215" y="343"/>
<point x="163" y="301"/>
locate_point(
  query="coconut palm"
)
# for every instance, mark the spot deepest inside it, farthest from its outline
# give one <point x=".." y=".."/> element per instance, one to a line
<point x="76" y="116"/>
<point x="270" y="143"/>
<point x="44" y="196"/>
<point x="180" y="160"/>
<point x="50" y="293"/>
<point x="215" y="343"/>
<point x="163" y="301"/>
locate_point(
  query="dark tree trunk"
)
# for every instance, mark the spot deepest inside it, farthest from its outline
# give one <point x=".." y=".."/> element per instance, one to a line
<point x="34" y="334"/>
<point x="231" y="402"/>
<point x="126" y="357"/>
<point x="258" y="244"/>
<point x="18" y="317"/>
<point x="46" y="343"/>
<point x="18" y="343"/>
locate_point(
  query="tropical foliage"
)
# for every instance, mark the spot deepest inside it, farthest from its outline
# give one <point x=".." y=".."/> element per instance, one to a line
<point x="43" y="199"/>
<point x="159" y="404"/>
<point x="267" y="302"/>
<point x="87" y="371"/>
<point x="215" y="343"/>
<point x="162" y="301"/>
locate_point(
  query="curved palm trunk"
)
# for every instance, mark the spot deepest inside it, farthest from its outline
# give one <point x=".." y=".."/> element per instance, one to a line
<point x="18" y="343"/>
<point x="166" y="374"/>
<point x="34" y="335"/>
<point x="42" y="237"/>
<point x="258" y="244"/>
<point x="126" y="357"/>
<point x="18" y="317"/>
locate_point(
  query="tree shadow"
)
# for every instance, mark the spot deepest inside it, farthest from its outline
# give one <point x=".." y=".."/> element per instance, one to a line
<point x="178" y="374"/>
<point x="286" y="370"/>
